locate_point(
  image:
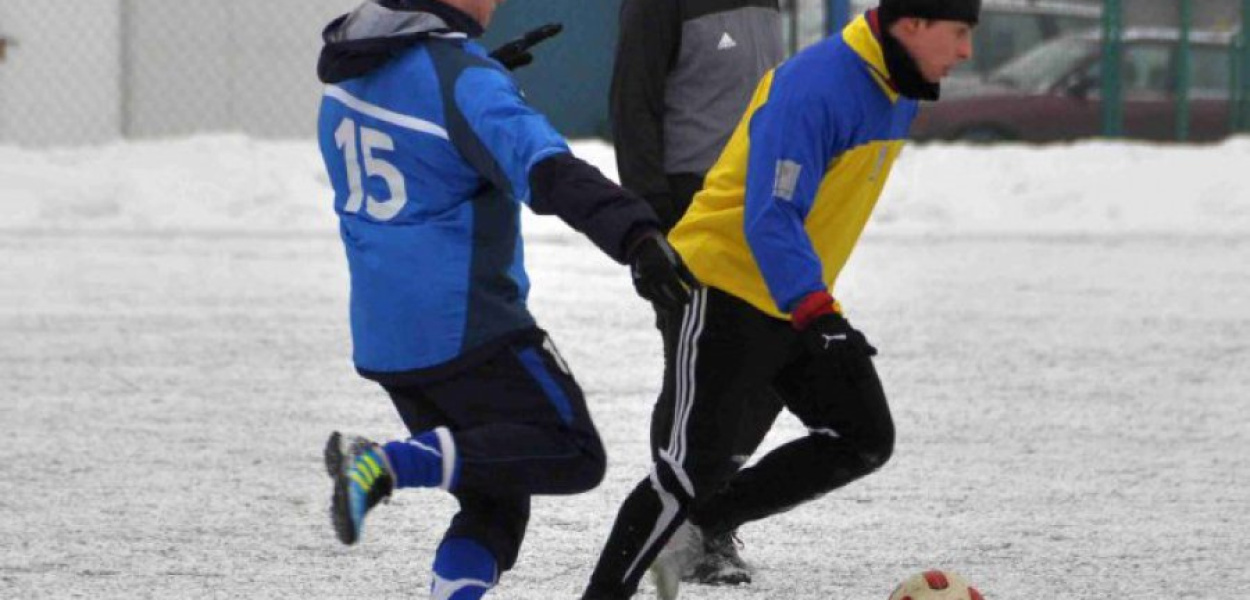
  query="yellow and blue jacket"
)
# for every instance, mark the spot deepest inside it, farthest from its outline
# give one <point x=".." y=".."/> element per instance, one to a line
<point x="787" y="200"/>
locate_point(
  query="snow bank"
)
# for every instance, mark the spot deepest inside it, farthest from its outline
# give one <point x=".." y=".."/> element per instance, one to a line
<point x="239" y="184"/>
<point x="1090" y="187"/>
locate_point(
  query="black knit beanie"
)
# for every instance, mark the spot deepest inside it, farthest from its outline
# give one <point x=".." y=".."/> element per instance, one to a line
<point x="968" y="11"/>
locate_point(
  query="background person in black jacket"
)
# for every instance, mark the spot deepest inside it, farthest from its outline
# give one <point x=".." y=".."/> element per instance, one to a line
<point x="684" y="74"/>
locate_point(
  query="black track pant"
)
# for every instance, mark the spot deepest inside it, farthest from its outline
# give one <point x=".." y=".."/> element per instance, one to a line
<point x="521" y="428"/>
<point x="720" y="354"/>
<point x="682" y="188"/>
<point x="761" y="411"/>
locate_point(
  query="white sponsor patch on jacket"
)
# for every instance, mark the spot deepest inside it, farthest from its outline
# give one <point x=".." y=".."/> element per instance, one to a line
<point x="786" y="179"/>
<point x="726" y="42"/>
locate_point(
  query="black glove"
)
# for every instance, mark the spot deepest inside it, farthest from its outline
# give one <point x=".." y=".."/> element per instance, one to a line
<point x="659" y="274"/>
<point x="832" y="335"/>
<point x="516" y="54"/>
<point x="826" y="332"/>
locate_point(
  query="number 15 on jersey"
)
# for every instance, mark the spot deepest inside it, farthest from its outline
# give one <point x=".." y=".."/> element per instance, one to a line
<point x="370" y="140"/>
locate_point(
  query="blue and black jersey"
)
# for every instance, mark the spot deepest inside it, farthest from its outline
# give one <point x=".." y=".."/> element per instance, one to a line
<point x="431" y="150"/>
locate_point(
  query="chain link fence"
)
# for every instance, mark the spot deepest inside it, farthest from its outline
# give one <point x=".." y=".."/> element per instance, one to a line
<point x="83" y="71"/>
<point x="805" y="22"/>
<point x="1058" y="70"/>
<point x="87" y="71"/>
<point x="59" y="74"/>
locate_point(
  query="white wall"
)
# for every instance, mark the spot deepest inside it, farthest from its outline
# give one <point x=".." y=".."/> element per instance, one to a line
<point x="60" y="82"/>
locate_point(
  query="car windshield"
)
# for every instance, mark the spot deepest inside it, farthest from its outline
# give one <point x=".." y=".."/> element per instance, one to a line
<point x="1003" y="36"/>
<point x="1043" y="66"/>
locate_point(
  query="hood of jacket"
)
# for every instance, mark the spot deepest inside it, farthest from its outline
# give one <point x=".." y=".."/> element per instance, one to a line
<point x="377" y="31"/>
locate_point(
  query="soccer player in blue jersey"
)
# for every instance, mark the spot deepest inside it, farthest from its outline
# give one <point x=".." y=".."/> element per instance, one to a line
<point x="431" y="150"/>
<point x="777" y="219"/>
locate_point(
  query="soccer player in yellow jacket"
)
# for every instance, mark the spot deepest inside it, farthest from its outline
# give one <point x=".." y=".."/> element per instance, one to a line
<point x="775" y="223"/>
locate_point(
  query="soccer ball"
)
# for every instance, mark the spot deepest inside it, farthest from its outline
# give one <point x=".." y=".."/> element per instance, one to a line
<point x="935" y="585"/>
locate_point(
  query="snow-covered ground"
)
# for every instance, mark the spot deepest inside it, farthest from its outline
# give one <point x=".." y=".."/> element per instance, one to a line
<point x="232" y="183"/>
<point x="1065" y="338"/>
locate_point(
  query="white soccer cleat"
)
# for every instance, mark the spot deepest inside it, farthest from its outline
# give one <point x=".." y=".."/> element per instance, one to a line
<point x="675" y="559"/>
<point x="719" y="563"/>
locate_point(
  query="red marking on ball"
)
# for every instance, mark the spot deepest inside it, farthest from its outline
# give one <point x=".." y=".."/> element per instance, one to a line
<point x="975" y="594"/>
<point x="936" y="580"/>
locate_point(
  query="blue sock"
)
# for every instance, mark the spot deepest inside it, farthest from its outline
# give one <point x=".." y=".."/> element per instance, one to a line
<point x="427" y="460"/>
<point x="463" y="570"/>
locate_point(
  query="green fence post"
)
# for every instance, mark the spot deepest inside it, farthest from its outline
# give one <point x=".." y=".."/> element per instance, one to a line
<point x="1234" y="82"/>
<point x="839" y="15"/>
<point x="1243" y="79"/>
<point x="1112" y="78"/>
<point x="1184" y="71"/>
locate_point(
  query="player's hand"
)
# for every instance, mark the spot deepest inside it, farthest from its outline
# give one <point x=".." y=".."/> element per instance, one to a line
<point x="826" y="332"/>
<point x="832" y="335"/>
<point x="659" y="274"/>
<point x="516" y="53"/>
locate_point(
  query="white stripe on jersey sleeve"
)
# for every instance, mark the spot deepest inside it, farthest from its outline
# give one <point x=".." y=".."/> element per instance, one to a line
<point x="382" y="114"/>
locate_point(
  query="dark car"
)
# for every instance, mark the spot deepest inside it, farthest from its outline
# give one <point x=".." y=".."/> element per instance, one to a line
<point x="1052" y="93"/>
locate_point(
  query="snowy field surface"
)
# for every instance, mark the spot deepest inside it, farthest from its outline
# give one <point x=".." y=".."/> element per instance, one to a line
<point x="1064" y="335"/>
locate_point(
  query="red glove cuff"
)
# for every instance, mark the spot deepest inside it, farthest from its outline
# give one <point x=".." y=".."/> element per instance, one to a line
<point x="812" y="306"/>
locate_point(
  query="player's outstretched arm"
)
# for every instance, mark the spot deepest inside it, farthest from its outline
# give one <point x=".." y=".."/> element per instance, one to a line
<point x="620" y="223"/>
<point x="518" y="151"/>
